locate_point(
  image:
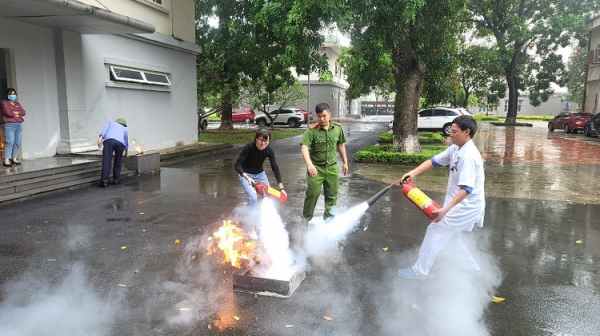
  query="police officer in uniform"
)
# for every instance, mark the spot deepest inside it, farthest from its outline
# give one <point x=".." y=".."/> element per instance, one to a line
<point x="319" y="144"/>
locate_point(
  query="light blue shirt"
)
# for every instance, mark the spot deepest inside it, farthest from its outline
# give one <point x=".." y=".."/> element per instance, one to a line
<point x="114" y="130"/>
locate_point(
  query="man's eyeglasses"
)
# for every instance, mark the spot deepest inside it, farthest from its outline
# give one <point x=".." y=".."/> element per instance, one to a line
<point x="262" y="140"/>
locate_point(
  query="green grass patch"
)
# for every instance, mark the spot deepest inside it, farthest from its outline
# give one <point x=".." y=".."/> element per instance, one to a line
<point x="387" y="153"/>
<point x="244" y="135"/>
<point x="214" y="117"/>
<point x="424" y="137"/>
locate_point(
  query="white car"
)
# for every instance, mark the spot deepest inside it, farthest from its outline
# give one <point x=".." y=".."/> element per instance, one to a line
<point x="292" y="117"/>
<point x="437" y="119"/>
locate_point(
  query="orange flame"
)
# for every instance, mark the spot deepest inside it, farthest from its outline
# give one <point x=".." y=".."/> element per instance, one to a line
<point x="235" y="245"/>
<point x="138" y="148"/>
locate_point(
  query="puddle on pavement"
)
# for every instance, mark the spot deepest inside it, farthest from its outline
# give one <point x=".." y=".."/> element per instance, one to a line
<point x="520" y="162"/>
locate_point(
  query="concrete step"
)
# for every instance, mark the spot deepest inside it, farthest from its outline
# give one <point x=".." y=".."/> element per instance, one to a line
<point x="72" y="184"/>
<point x="47" y="190"/>
<point x="49" y="171"/>
<point x="47" y="180"/>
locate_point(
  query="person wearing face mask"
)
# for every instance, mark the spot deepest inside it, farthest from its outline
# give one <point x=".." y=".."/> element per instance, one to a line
<point x="12" y="118"/>
<point x="249" y="164"/>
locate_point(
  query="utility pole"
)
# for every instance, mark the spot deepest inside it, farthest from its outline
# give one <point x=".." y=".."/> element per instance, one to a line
<point x="308" y="100"/>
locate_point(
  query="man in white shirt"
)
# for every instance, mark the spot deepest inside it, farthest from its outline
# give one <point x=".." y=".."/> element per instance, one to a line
<point x="464" y="205"/>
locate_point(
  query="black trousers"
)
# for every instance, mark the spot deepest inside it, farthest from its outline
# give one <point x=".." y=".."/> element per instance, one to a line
<point x="110" y="146"/>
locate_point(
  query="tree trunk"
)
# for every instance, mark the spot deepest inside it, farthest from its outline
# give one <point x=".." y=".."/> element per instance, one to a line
<point x="513" y="85"/>
<point x="513" y="96"/>
<point x="226" y="107"/>
<point x="466" y="101"/>
<point x="409" y="73"/>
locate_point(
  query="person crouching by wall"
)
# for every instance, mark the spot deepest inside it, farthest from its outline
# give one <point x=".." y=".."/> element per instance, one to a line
<point x="12" y="120"/>
<point x="115" y="139"/>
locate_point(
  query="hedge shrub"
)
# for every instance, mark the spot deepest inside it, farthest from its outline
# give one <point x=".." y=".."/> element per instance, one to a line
<point x="482" y="117"/>
<point x="424" y="137"/>
<point x="386" y="153"/>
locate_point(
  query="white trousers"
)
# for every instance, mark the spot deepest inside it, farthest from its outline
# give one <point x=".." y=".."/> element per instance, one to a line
<point x="437" y="236"/>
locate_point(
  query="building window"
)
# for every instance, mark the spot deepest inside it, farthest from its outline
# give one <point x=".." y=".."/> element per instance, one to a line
<point x="505" y="106"/>
<point x="158" y="2"/>
<point x="519" y="106"/>
<point x="123" y="74"/>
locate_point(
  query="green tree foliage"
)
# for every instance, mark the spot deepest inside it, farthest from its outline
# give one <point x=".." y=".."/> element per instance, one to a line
<point x="527" y="35"/>
<point x="409" y="43"/>
<point x="575" y="76"/>
<point x="477" y="76"/>
<point x="258" y="96"/>
<point x="255" y="40"/>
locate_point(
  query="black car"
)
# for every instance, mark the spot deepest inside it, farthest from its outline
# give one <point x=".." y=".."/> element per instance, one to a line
<point x="592" y="126"/>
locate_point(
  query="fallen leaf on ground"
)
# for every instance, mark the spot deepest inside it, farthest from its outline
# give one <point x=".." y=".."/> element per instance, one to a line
<point x="289" y="325"/>
<point x="123" y="247"/>
<point x="384" y="249"/>
<point x="327" y="318"/>
<point x="141" y="213"/>
<point x="236" y="318"/>
<point x="176" y="241"/>
<point x="578" y="241"/>
<point x="497" y="299"/>
<point x="122" y="285"/>
<point x="209" y="327"/>
<point x="46" y="221"/>
<point x="186" y="309"/>
<point x="193" y="257"/>
<point x="51" y="259"/>
<point x="143" y="230"/>
<point x="38" y="242"/>
<point x="383" y="210"/>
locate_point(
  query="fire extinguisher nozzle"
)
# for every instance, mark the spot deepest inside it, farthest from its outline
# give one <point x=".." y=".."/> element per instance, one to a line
<point x="375" y="197"/>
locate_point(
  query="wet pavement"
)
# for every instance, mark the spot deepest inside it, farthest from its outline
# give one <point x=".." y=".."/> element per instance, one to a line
<point x="105" y="262"/>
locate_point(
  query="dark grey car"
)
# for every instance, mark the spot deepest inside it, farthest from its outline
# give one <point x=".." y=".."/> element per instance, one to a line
<point x="592" y="126"/>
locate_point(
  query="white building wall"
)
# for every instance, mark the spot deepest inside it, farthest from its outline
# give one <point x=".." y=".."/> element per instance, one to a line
<point x="155" y="119"/>
<point x="592" y="97"/>
<point x="35" y="70"/>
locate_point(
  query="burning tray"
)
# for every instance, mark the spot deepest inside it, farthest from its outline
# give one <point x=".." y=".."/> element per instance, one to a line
<point x="245" y="281"/>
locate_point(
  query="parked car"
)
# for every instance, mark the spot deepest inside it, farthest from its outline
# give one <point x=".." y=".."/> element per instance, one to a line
<point x="286" y="116"/>
<point x="592" y="126"/>
<point x="305" y="113"/>
<point x="242" y="115"/>
<point x="437" y="119"/>
<point x="203" y="122"/>
<point x="569" y="121"/>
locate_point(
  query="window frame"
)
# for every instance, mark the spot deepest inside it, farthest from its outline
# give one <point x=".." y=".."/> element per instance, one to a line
<point x="117" y="78"/>
<point x="154" y="2"/>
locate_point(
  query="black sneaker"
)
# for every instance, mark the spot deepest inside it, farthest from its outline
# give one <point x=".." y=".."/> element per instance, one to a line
<point x="116" y="182"/>
<point x="103" y="185"/>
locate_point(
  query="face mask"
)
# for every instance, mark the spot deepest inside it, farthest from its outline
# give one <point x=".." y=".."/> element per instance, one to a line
<point x="12" y="97"/>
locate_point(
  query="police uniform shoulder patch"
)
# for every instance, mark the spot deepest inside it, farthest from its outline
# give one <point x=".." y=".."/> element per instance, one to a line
<point x="336" y="123"/>
<point x="313" y="126"/>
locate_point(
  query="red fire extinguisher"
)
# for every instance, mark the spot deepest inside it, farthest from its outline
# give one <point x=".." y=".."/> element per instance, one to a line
<point x="422" y="201"/>
<point x="266" y="191"/>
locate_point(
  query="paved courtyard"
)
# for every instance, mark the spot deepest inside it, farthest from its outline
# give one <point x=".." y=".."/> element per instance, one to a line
<point x="105" y="261"/>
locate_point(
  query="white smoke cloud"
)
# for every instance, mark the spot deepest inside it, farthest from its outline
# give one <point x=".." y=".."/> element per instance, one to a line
<point x="35" y="306"/>
<point x="323" y="237"/>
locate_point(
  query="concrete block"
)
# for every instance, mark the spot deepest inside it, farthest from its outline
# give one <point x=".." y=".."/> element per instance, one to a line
<point x="144" y="163"/>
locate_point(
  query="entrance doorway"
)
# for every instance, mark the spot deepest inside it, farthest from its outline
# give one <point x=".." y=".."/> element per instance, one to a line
<point x="6" y="81"/>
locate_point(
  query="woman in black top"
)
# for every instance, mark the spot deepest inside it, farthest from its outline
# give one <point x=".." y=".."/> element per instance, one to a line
<point x="249" y="164"/>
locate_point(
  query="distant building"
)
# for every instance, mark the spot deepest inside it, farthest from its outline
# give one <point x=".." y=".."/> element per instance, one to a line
<point x="556" y="104"/>
<point x="331" y="92"/>
<point x="78" y="64"/>
<point x="592" y="87"/>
